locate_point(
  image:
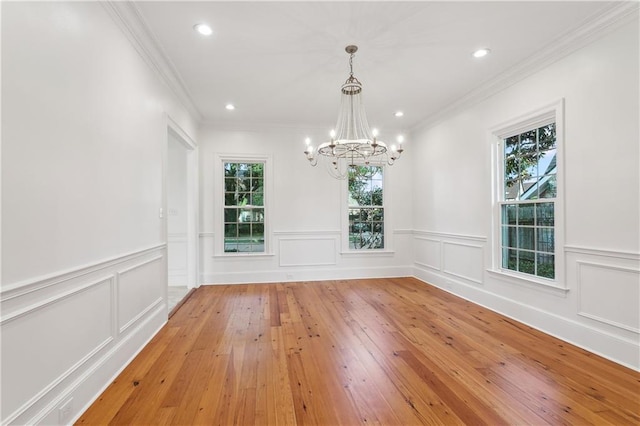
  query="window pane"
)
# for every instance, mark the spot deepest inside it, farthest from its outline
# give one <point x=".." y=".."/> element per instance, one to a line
<point x="526" y="262"/>
<point x="244" y="187"/>
<point x="258" y="215"/>
<point x="258" y="231"/>
<point x="510" y="259"/>
<point x="230" y="215"/>
<point x="509" y="214"/>
<point x="509" y="236"/>
<point x="257" y="170"/>
<point x="511" y="188"/>
<point x="545" y="240"/>
<point x="526" y="238"/>
<point x="229" y="199"/>
<point x="525" y="214"/>
<point x="545" y="265"/>
<point x="548" y="186"/>
<point x="529" y="176"/>
<point x="230" y="184"/>
<point x="257" y="185"/>
<point x="544" y="214"/>
<point x="231" y="230"/>
<point x="366" y="224"/>
<point x="244" y="231"/>
<point x="230" y="245"/>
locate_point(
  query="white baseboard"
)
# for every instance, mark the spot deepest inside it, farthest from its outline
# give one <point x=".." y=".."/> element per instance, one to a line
<point x="615" y="348"/>
<point x="89" y="322"/>
<point x="305" y="275"/>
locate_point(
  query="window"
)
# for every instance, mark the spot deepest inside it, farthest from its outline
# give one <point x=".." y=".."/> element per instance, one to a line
<point x="244" y="211"/>
<point x="366" y="208"/>
<point x="528" y="201"/>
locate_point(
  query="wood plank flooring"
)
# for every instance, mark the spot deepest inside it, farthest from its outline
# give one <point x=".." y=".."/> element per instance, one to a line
<point x="381" y="351"/>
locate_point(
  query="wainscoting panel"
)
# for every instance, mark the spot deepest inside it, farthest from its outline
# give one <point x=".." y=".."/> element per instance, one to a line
<point x="177" y="259"/>
<point x="609" y="294"/>
<point x="428" y="252"/>
<point x="61" y="334"/>
<point x="311" y="251"/>
<point x="139" y="288"/>
<point x="463" y="260"/>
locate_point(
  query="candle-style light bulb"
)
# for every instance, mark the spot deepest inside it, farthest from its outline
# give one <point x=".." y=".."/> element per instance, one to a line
<point x="374" y="132"/>
<point x="307" y="141"/>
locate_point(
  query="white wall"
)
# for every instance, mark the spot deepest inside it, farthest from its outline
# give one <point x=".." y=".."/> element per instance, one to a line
<point x="177" y="212"/>
<point x="84" y="130"/>
<point x="304" y="213"/>
<point x="453" y="191"/>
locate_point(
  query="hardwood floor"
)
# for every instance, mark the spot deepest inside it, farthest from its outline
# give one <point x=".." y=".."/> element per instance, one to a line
<point x="381" y="351"/>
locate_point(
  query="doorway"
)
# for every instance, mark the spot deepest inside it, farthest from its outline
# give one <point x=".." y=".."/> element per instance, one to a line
<point x="181" y="216"/>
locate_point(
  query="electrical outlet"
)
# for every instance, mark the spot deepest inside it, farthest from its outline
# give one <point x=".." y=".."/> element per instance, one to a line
<point x="64" y="411"/>
<point x="289" y="276"/>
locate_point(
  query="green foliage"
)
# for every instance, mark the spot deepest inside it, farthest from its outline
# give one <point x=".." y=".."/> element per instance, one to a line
<point x="524" y="151"/>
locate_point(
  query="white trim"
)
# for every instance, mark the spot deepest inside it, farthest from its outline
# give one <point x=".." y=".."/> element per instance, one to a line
<point x="94" y="372"/>
<point x="531" y="282"/>
<point x="450" y="235"/>
<point x="241" y="255"/>
<point x="448" y="272"/>
<point x="192" y="207"/>
<point x="612" y="17"/>
<point x="34" y="284"/>
<point x="553" y="111"/>
<point x="368" y="253"/>
<point x="55" y="299"/>
<point x="138" y="265"/>
<point x="344" y="216"/>
<point x="141" y="314"/>
<point x="316" y="238"/>
<point x="314" y="232"/>
<point x="613" y="347"/>
<point x="128" y="18"/>
<point x="591" y="251"/>
<point x="603" y="320"/>
<point x="218" y="201"/>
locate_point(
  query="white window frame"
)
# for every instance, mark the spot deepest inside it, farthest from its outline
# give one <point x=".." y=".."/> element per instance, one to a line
<point x="218" y="194"/>
<point x="387" y="250"/>
<point x="553" y="112"/>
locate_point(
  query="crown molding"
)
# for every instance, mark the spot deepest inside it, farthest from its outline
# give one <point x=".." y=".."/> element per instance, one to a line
<point x="597" y="26"/>
<point x="130" y="21"/>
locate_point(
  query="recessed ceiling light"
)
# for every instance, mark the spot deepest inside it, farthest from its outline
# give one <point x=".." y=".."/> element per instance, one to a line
<point x="480" y="53"/>
<point x="230" y="107"/>
<point x="398" y="113"/>
<point x="203" y="29"/>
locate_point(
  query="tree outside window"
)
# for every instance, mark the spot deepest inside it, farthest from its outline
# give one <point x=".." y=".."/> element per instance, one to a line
<point x="244" y="208"/>
<point x="366" y="207"/>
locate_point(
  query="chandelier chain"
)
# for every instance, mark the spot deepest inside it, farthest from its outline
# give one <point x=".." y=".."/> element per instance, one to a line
<point x="351" y="64"/>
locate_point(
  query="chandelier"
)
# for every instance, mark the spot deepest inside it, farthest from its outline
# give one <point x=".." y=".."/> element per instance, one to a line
<point x="352" y="142"/>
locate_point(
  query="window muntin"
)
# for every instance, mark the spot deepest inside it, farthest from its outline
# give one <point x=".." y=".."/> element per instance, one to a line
<point x="366" y="208"/>
<point x="244" y="207"/>
<point x="527" y="212"/>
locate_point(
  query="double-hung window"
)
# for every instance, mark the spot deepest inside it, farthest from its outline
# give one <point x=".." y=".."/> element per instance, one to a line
<point x="244" y="207"/>
<point x="527" y="197"/>
<point x="366" y="207"/>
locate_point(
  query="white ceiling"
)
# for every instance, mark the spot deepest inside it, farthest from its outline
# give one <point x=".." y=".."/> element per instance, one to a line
<point x="282" y="63"/>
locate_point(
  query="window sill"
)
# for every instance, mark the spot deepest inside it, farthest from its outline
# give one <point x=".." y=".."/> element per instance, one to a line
<point x="380" y="253"/>
<point x="242" y="255"/>
<point x="533" y="282"/>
